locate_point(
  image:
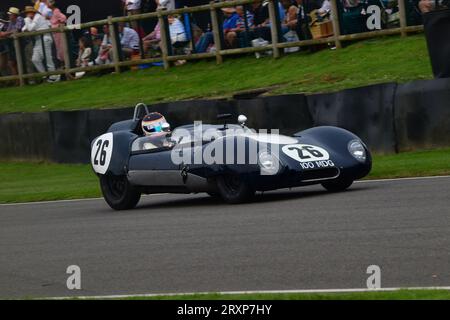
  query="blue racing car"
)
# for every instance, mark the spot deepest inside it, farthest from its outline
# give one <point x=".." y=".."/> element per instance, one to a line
<point x="143" y="156"/>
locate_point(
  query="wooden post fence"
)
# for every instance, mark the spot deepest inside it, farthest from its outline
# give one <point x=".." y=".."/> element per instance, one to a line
<point x="216" y="32"/>
<point x="402" y="13"/>
<point x="273" y="29"/>
<point x="165" y="41"/>
<point x="336" y="25"/>
<point x="115" y="44"/>
<point x="19" y="59"/>
<point x="66" y="48"/>
<point x="167" y="57"/>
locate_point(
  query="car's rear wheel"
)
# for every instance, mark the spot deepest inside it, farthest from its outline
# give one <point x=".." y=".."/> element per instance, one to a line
<point x="233" y="189"/>
<point x="118" y="192"/>
<point x="337" y="185"/>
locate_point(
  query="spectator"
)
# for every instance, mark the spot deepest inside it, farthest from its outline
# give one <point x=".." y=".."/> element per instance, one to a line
<point x="325" y="8"/>
<point x="426" y="5"/>
<point x="168" y="4"/>
<point x="105" y="51"/>
<point x="42" y="8"/>
<point x="93" y="31"/>
<point x="133" y="7"/>
<point x="85" y="52"/>
<point x="3" y="22"/>
<point x="260" y="14"/>
<point x="229" y="24"/>
<point x="240" y="23"/>
<point x="302" y="22"/>
<point x="15" y="24"/>
<point x="129" y="40"/>
<point x="310" y="5"/>
<point x="261" y="20"/>
<point x="3" y="46"/>
<point x="233" y="34"/>
<point x="42" y="49"/>
<point x="176" y="30"/>
<point x="291" y="12"/>
<point x="281" y="11"/>
<point x="96" y="41"/>
<point x="153" y="38"/>
<point x="57" y="19"/>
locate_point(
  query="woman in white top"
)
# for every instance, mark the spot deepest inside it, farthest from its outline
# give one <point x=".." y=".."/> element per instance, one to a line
<point x="42" y="50"/>
<point x="85" y="53"/>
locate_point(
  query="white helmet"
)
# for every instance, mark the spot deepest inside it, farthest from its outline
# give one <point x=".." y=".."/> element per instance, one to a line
<point x="154" y="123"/>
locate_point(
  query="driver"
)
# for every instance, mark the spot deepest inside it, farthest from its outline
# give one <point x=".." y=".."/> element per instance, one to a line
<point x="156" y="128"/>
<point x="155" y="124"/>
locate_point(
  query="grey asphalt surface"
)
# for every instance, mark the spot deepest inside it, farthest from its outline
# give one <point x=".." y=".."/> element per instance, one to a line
<point x="302" y="238"/>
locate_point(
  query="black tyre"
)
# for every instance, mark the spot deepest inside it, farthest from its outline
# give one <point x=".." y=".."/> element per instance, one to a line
<point x="118" y="192"/>
<point x="337" y="185"/>
<point x="233" y="189"/>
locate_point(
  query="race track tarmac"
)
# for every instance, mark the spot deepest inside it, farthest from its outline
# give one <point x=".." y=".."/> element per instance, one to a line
<point x="302" y="238"/>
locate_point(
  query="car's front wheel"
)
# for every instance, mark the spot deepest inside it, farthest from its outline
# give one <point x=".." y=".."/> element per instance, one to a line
<point x="118" y="192"/>
<point x="337" y="185"/>
<point x="233" y="189"/>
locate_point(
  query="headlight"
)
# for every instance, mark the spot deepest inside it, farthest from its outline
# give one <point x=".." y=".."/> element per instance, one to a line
<point x="268" y="163"/>
<point x="357" y="150"/>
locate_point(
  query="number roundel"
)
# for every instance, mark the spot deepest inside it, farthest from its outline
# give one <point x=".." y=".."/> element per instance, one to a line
<point x="101" y="153"/>
<point x="306" y="152"/>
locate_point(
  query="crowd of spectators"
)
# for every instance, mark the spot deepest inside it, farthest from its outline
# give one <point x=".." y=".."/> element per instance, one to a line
<point x="241" y="25"/>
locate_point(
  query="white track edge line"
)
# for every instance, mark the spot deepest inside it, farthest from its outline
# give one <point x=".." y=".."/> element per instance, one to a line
<point x="155" y="194"/>
<point x="400" y="179"/>
<point x="149" y="295"/>
<point x="63" y="201"/>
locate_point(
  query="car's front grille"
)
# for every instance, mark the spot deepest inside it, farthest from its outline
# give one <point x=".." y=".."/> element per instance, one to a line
<point x="319" y="174"/>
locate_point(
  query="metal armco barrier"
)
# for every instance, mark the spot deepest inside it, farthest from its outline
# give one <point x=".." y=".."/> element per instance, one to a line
<point x="366" y="111"/>
<point x="388" y="117"/>
<point x="422" y="114"/>
<point x="26" y="136"/>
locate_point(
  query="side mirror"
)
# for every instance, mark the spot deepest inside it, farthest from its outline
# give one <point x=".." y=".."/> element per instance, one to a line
<point x="242" y="120"/>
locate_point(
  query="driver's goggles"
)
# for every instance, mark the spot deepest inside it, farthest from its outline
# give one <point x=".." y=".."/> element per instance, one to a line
<point x="153" y="127"/>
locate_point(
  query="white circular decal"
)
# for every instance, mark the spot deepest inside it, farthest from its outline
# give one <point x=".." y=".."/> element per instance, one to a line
<point x="101" y="153"/>
<point x="306" y="152"/>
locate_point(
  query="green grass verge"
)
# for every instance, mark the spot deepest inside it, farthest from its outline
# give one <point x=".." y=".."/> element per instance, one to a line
<point x="375" y="295"/>
<point x="21" y="182"/>
<point x="362" y="63"/>
<point x="411" y="164"/>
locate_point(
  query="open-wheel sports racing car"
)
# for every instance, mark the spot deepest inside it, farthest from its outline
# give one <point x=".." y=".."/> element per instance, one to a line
<point x="226" y="160"/>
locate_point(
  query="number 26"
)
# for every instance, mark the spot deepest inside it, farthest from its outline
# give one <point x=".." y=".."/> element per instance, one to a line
<point x="101" y="146"/>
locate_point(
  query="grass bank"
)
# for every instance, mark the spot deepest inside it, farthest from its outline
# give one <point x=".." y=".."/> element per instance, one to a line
<point x="22" y="182"/>
<point x="411" y="164"/>
<point x="390" y="59"/>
